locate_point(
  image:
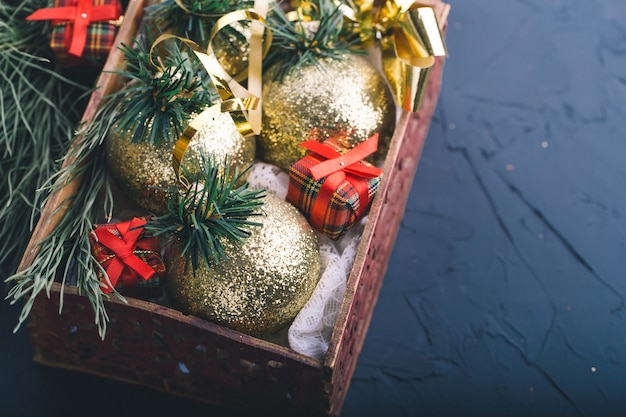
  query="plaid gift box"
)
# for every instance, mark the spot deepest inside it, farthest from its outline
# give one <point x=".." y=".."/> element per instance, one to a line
<point x="83" y="31"/>
<point x="132" y="261"/>
<point x="332" y="186"/>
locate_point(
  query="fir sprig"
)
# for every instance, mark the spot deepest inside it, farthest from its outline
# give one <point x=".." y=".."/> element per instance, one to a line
<point x="65" y="253"/>
<point x="39" y="109"/>
<point x="157" y="104"/>
<point x="196" y="20"/>
<point x="211" y="209"/>
<point x="315" y="34"/>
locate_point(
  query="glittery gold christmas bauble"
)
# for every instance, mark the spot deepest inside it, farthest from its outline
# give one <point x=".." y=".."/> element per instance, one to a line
<point x="347" y="97"/>
<point x="144" y="171"/>
<point x="264" y="281"/>
<point x="230" y="46"/>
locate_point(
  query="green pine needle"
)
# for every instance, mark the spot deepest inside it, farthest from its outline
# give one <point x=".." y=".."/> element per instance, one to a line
<point x="211" y="209"/>
<point x="168" y="16"/>
<point x="157" y="105"/>
<point x="39" y="109"/>
<point x="299" y="43"/>
<point x="67" y="250"/>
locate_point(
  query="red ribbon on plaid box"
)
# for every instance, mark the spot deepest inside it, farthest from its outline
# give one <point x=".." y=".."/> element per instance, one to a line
<point x="131" y="259"/>
<point x="81" y="28"/>
<point x="332" y="186"/>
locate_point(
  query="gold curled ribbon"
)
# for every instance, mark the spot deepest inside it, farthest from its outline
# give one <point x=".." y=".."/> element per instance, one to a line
<point x="256" y="52"/>
<point x="259" y="46"/>
<point x="256" y="16"/>
<point x="235" y="99"/>
<point x="410" y="40"/>
<point x="189" y="11"/>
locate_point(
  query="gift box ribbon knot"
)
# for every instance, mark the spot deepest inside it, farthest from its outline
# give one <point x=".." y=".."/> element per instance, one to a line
<point x="335" y="169"/>
<point x="123" y="240"/>
<point x="81" y="16"/>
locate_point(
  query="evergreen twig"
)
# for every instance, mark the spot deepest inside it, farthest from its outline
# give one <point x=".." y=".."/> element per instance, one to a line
<point x="211" y="209"/>
<point x="158" y="104"/>
<point x="197" y="21"/>
<point x="66" y="251"/>
<point x="38" y="113"/>
<point x="317" y="33"/>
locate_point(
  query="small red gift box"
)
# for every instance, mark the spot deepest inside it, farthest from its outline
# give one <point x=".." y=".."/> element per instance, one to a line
<point x="332" y="186"/>
<point x="131" y="259"/>
<point x="83" y="31"/>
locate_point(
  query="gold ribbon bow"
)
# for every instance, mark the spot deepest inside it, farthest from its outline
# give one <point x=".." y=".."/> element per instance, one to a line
<point x="243" y="106"/>
<point x="410" y="40"/>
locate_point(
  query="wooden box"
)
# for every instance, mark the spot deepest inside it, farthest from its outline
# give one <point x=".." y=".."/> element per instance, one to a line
<point x="161" y="348"/>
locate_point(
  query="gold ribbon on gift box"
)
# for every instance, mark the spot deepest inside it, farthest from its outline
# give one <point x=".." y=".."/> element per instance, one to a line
<point x="242" y="104"/>
<point x="410" y="40"/>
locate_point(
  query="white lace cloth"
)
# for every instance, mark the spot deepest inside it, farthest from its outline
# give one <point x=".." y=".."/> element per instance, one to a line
<point x="310" y="332"/>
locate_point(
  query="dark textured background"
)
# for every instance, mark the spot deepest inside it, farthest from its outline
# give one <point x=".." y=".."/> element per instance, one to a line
<point x="505" y="292"/>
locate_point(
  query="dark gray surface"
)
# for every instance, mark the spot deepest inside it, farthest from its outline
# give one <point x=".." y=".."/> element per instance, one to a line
<point x="505" y="291"/>
<point x="505" y="294"/>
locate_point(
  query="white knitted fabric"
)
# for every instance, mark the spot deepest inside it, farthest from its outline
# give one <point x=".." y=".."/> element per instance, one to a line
<point x="310" y="332"/>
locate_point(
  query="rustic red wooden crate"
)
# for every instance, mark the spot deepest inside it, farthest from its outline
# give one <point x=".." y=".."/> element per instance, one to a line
<point x="161" y="348"/>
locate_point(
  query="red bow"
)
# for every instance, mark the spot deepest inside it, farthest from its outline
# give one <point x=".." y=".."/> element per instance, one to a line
<point x="336" y="168"/>
<point x="123" y="246"/>
<point x="81" y="15"/>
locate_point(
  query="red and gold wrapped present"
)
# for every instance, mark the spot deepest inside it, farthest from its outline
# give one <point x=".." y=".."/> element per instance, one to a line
<point x="332" y="186"/>
<point x="83" y="31"/>
<point x="132" y="260"/>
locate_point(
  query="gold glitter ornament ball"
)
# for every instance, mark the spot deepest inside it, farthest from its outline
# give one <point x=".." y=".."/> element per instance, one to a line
<point x="230" y="46"/>
<point x="347" y="96"/>
<point x="143" y="171"/>
<point x="263" y="283"/>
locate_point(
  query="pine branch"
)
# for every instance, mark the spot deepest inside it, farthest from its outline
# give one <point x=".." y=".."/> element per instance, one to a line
<point x="317" y="33"/>
<point x="197" y="21"/>
<point x="38" y="112"/>
<point x="157" y="105"/>
<point x="211" y="209"/>
<point x="66" y="250"/>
